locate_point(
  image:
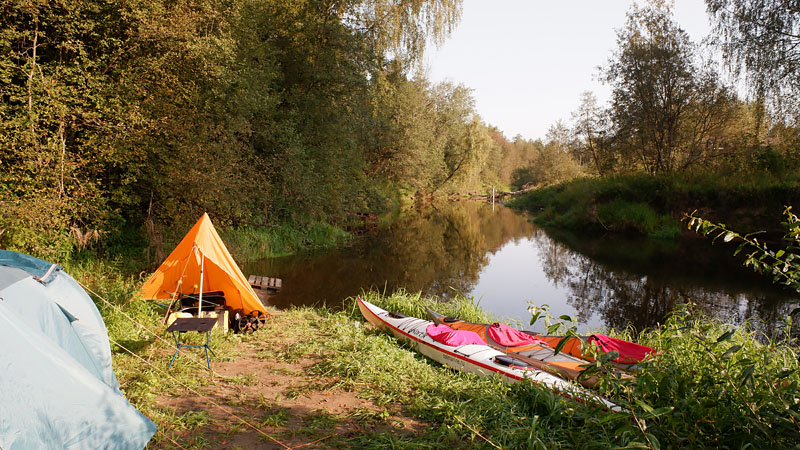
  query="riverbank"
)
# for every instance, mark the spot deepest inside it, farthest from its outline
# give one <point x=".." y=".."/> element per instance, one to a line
<point x="654" y="205"/>
<point x="131" y="252"/>
<point x="325" y="379"/>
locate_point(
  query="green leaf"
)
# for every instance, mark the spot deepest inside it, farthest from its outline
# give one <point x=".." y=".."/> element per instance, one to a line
<point x="725" y="336"/>
<point x="625" y="427"/>
<point x="610" y="356"/>
<point x="746" y="375"/>
<point x="729" y="237"/>
<point x="611" y="417"/>
<point x="655" y="444"/>
<point x="561" y="344"/>
<point x="728" y="353"/>
<point x="658" y="412"/>
<point x="645" y="406"/>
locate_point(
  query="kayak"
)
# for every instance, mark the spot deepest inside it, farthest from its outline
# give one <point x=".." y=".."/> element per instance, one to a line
<point x="571" y="353"/>
<point x="476" y="358"/>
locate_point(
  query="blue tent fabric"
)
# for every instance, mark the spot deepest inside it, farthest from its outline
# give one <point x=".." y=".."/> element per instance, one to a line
<point x="58" y="388"/>
<point x="28" y="263"/>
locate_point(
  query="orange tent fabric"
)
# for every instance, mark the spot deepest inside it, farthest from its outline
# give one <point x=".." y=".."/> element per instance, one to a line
<point x="180" y="272"/>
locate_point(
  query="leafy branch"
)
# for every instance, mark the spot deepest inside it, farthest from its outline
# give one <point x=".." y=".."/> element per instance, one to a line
<point x="783" y="264"/>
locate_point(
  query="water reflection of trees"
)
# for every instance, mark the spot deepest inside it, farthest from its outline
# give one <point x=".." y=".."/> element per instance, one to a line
<point x="640" y="282"/>
<point x="438" y="251"/>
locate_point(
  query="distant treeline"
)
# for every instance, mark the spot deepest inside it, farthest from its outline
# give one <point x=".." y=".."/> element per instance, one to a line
<point x="141" y="114"/>
<point x="673" y="110"/>
<point x="677" y="134"/>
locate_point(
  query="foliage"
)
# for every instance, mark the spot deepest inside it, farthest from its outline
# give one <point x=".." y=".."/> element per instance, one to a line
<point x="783" y="265"/>
<point x="670" y="111"/>
<point x="60" y="109"/>
<point x="663" y="106"/>
<point x="759" y="39"/>
<point x="546" y="164"/>
<point x="653" y="205"/>
<point x="402" y="28"/>
<point x="249" y="243"/>
<point x="123" y="115"/>
<point x="591" y="127"/>
<point x="711" y="385"/>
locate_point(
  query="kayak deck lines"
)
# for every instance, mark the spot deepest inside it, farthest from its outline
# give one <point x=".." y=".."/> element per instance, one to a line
<point x="472" y="358"/>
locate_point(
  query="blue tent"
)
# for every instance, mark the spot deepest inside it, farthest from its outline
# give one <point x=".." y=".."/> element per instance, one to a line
<point x="57" y="385"/>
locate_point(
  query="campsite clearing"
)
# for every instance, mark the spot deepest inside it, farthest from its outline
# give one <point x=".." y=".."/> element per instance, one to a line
<point x="270" y="379"/>
<point x="314" y="374"/>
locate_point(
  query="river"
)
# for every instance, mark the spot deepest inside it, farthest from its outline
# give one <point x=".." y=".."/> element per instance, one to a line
<point x="503" y="260"/>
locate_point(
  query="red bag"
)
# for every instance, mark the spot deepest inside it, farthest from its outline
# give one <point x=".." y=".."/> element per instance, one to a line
<point x="509" y="337"/>
<point x="629" y="352"/>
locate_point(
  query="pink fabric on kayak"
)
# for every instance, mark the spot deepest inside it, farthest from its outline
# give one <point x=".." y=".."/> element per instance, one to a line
<point x="509" y="337"/>
<point x="629" y="352"/>
<point x="451" y="337"/>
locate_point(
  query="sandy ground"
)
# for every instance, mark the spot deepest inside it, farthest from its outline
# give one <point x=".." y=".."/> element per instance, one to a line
<point x="287" y="406"/>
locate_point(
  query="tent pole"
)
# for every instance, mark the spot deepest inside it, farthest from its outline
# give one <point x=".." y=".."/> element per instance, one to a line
<point x="200" y="301"/>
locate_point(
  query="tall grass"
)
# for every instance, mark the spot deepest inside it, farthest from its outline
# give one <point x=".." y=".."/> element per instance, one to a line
<point x="414" y="304"/>
<point x="654" y="205"/>
<point x="260" y="242"/>
<point x="712" y="385"/>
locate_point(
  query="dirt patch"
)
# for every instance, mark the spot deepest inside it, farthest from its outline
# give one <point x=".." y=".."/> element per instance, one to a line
<point x="268" y="401"/>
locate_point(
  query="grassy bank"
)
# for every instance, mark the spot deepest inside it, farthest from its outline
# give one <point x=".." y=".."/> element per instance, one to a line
<point x="315" y="374"/>
<point x="262" y="242"/>
<point x="654" y="205"/>
<point x="129" y="252"/>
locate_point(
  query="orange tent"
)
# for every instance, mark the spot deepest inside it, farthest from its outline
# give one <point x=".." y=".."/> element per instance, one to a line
<point x="202" y="251"/>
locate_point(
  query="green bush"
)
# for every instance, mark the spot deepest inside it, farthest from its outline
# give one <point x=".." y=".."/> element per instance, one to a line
<point x="653" y="205"/>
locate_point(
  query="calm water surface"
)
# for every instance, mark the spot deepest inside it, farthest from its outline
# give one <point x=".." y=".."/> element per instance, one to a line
<point x="506" y="262"/>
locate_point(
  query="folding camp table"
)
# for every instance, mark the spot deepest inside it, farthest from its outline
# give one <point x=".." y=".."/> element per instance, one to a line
<point x="198" y="324"/>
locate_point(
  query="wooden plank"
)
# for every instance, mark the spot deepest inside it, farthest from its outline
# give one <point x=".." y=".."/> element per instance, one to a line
<point x="261" y="282"/>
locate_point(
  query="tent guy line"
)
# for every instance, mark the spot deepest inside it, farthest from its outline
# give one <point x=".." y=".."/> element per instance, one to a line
<point x="211" y="401"/>
<point x="203" y="251"/>
<point x="144" y="327"/>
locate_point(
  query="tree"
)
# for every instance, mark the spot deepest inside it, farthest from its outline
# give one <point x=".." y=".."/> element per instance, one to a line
<point x="401" y="27"/>
<point x="662" y="105"/>
<point x="404" y="147"/>
<point x="459" y="126"/>
<point x="116" y="113"/>
<point x="553" y="162"/>
<point x="760" y="39"/>
<point x="61" y="110"/>
<point x="591" y="125"/>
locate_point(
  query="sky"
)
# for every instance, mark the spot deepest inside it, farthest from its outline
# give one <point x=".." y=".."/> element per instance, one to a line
<point x="528" y="61"/>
